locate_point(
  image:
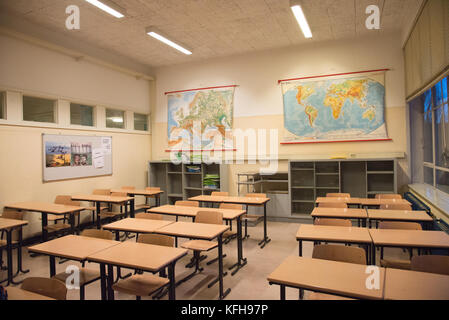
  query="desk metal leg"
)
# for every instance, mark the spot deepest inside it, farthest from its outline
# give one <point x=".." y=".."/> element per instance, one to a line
<point x="97" y="204"/>
<point x="110" y="281"/>
<point x="133" y="208"/>
<point x="44" y="227"/>
<point x="19" y="254"/>
<point x="282" y="292"/>
<point x="9" y="256"/>
<point x="171" y="278"/>
<point x="119" y="270"/>
<point x="103" y="281"/>
<point x="52" y="266"/>
<point x="300" y="247"/>
<point x="373" y="255"/>
<point x="222" y="294"/>
<point x="265" y="236"/>
<point x="241" y="262"/>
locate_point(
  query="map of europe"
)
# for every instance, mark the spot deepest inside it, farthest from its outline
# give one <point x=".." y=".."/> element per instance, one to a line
<point x="338" y="109"/>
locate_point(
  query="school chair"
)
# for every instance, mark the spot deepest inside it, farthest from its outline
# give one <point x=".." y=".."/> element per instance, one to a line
<point x="338" y="195"/>
<point x="186" y="203"/>
<point x="51" y="288"/>
<point x="229" y="235"/>
<point x="333" y="222"/>
<point x="148" y="216"/>
<point x="396" y="206"/>
<point x="388" y="196"/>
<point x="220" y="193"/>
<point x="147" y="204"/>
<point x="114" y="215"/>
<point x="333" y="205"/>
<point x="431" y="263"/>
<point x="252" y="217"/>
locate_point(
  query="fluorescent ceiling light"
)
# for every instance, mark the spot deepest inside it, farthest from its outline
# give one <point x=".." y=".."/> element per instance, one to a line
<point x="117" y="120"/>
<point x="110" y="7"/>
<point x="302" y="21"/>
<point x="157" y="36"/>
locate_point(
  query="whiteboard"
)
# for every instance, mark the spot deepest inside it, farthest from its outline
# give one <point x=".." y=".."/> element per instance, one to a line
<point x="72" y="157"/>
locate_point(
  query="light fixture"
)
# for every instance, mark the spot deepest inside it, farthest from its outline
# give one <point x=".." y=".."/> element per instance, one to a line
<point x="108" y="6"/>
<point x="157" y="35"/>
<point x="117" y="120"/>
<point x="301" y="18"/>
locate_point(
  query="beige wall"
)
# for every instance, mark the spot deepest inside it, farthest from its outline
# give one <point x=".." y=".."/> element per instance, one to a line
<point x="258" y="99"/>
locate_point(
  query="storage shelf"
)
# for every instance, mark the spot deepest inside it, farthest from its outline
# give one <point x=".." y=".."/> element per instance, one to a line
<point x="303" y="169"/>
<point x="193" y="188"/>
<point x="327" y="174"/>
<point x="303" y="187"/>
<point x="380" y="172"/>
<point x="194" y="173"/>
<point x="303" y="201"/>
<point x="175" y="195"/>
<point x="175" y="172"/>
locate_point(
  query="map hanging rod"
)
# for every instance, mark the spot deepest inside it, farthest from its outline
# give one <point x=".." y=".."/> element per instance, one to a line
<point x="208" y="88"/>
<point x="334" y="75"/>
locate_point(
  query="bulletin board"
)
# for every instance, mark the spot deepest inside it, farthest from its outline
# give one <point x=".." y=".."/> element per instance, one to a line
<point x="71" y="157"/>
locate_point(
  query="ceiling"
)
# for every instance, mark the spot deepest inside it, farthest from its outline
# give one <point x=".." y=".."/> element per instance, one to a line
<point x="210" y="28"/>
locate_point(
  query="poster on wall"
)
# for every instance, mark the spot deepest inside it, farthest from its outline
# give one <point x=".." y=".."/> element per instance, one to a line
<point x="200" y="119"/>
<point x="349" y="107"/>
<point x="70" y="157"/>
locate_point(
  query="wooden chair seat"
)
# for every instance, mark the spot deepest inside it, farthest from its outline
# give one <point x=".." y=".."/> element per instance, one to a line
<point x="109" y="214"/>
<point x="3" y="243"/>
<point x="229" y="234"/>
<point x="323" y="296"/>
<point x="95" y="208"/>
<point x="200" y="245"/>
<point x="140" y="285"/>
<point x="142" y="206"/>
<point x="396" y="264"/>
<point x="57" y="227"/>
<point x="86" y="276"/>
<point x="252" y="217"/>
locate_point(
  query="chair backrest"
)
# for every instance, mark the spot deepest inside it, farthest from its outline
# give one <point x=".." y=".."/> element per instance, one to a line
<point x="431" y="263"/>
<point x="338" y="195"/>
<point x="333" y="222"/>
<point x="256" y="195"/>
<point x="156" y="239"/>
<point x="102" y="192"/>
<point x="187" y="203"/>
<point x="220" y="193"/>
<point x="95" y="233"/>
<point x="149" y="216"/>
<point x="128" y="188"/>
<point x="333" y="205"/>
<point x="66" y="200"/>
<point x="399" y="225"/>
<point x="232" y="206"/>
<point x="210" y="217"/>
<point x="153" y="189"/>
<point x="388" y="196"/>
<point x="396" y="206"/>
<point x="339" y="253"/>
<point x="52" y="288"/>
<point x="119" y="194"/>
<point x="12" y="214"/>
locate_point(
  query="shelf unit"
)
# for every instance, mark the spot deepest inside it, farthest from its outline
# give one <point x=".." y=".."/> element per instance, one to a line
<point x="180" y="184"/>
<point x="261" y="183"/>
<point x="361" y="178"/>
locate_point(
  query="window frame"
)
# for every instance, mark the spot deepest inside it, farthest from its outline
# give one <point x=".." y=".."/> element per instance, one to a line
<point x="3" y="105"/>
<point x="86" y="105"/>
<point x="55" y="108"/>
<point x="147" y="121"/>
<point x="106" y="118"/>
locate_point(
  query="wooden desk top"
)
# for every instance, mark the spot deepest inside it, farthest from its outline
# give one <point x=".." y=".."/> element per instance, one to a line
<point x="193" y="230"/>
<point x="410" y="238"/>
<point x="138" y="192"/>
<point x="137" y="225"/>
<point x="73" y="247"/>
<point x="238" y="200"/>
<point x="399" y="215"/>
<point x="330" y="233"/>
<point x="141" y="256"/>
<point x="11" y="223"/>
<point x="15" y="293"/>
<point x="361" y="201"/>
<point x="339" y="213"/>
<point x="44" y="207"/>
<point x="326" y="276"/>
<point x="228" y="214"/>
<point x="100" y="198"/>
<point x="412" y="285"/>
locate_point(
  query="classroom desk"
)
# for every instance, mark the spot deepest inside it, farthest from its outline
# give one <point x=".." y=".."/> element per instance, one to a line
<point x="98" y="199"/>
<point x="228" y="214"/>
<point x="71" y="247"/>
<point x="340" y="213"/>
<point x="248" y="201"/>
<point x="8" y="225"/>
<point x="15" y="293"/>
<point x="145" y="193"/>
<point x="141" y="256"/>
<point x="325" y="276"/>
<point x="413" y="285"/>
<point x="354" y="235"/>
<point x="411" y="239"/>
<point x="135" y="226"/>
<point x="48" y="208"/>
<point x="204" y="232"/>
<point x="360" y="201"/>
<point x="399" y="215"/>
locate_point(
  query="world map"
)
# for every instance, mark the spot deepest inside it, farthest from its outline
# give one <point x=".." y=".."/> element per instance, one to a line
<point x="338" y="109"/>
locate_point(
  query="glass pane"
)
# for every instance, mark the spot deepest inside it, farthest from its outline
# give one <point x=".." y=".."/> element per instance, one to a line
<point x="442" y="137"/>
<point x="427" y="137"/>
<point x="443" y="180"/>
<point x="2" y="105"/>
<point x="438" y="94"/>
<point x="81" y="115"/>
<point x="140" y="122"/>
<point x="38" y="109"/>
<point x="427" y="96"/>
<point x="115" y="119"/>
<point x="444" y="89"/>
<point x="428" y="175"/>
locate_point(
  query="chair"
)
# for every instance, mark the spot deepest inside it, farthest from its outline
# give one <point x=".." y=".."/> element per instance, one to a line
<point x="333" y="222"/>
<point x="198" y="246"/>
<point x="142" y="285"/>
<point x="252" y="217"/>
<point x="396" y="207"/>
<point x="147" y="204"/>
<point x="93" y="209"/>
<point x="149" y="216"/>
<point x="336" y="253"/>
<point x="61" y="228"/>
<point x="333" y="205"/>
<point x="338" y="195"/>
<point x="51" y="288"/>
<point x="220" y="193"/>
<point x="398" y="264"/>
<point x="113" y="215"/>
<point x="431" y="263"/>
<point x="87" y="276"/>
<point x="229" y="235"/>
<point x="388" y="196"/>
<point x="187" y="203"/>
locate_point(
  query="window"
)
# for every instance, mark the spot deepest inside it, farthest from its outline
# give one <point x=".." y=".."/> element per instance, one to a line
<point x="140" y="122"/>
<point x="2" y="105"/>
<point x="429" y="130"/>
<point x="115" y="119"/>
<point x="81" y="115"/>
<point x="38" y="109"/>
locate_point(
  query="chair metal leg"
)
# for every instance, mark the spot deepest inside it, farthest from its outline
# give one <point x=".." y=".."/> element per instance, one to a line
<point x="214" y="260"/>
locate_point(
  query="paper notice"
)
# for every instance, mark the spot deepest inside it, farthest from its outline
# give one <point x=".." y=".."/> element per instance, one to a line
<point x="106" y="145"/>
<point x="98" y="158"/>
